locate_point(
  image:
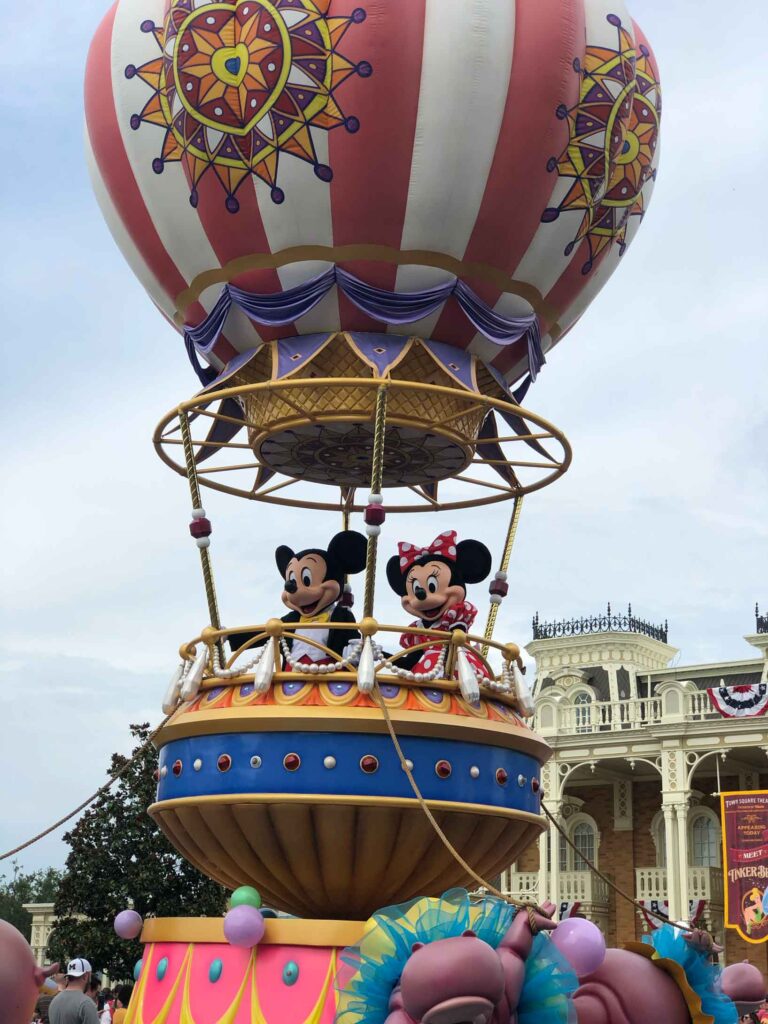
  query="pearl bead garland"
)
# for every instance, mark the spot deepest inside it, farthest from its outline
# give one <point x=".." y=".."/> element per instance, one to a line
<point x="504" y="683"/>
<point x="240" y="670"/>
<point x="426" y="677"/>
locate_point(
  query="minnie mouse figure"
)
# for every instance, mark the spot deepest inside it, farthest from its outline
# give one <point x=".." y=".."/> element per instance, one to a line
<point x="313" y="580"/>
<point x="431" y="583"/>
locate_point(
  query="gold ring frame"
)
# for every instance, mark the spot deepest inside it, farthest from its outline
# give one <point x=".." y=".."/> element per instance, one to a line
<point x="327" y="401"/>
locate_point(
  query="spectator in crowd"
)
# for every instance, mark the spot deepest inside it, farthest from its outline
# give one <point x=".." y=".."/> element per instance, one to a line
<point x="73" y="1005"/>
<point x="93" y="987"/>
<point x="122" y="1000"/>
<point x="108" y="1007"/>
<point x="44" y="1001"/>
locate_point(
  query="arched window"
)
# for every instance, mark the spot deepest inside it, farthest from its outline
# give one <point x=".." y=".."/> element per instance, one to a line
<point x="546" y="716"/>
<point x="583" y="837"/>
<point x="705" y="841"/>
<point x="582" y="702"/>
<point x="582" y="832"/>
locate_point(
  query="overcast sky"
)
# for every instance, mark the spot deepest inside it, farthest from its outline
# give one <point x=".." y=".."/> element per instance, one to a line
<point x="661" y="389"/>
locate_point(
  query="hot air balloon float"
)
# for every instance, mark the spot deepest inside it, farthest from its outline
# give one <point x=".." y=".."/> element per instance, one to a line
<point x="371" y="225"/>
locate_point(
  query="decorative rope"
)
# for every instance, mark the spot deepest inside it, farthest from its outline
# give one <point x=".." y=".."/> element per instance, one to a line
<point x="529" y="907"/>
<point x="377" y="475"/>
<point x="194" y="490"/>
<point x="506" y="555"/>
<point x="81" y="807"/>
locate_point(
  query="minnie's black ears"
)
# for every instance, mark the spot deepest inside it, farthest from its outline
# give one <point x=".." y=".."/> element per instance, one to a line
<point x="474" y="560"/>
<point x="395" y="576"/>
<point x="283" y="555"/>
<point x="347" y="550"/>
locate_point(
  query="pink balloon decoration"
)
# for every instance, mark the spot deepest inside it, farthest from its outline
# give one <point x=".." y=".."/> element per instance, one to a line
<point x="581" y="943"/>
<point x="243" y="926"/>
<point x="20" y="977"/>
<point x="128" y="924"/>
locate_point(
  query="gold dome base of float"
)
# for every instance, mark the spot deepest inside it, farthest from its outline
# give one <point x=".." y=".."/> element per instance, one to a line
<point x="315" y="425"/>
<point x="328" y="857"/>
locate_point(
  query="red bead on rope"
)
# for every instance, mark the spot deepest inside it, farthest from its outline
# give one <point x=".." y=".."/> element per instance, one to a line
<point x="499" y="587"/>
<point x="200" y="528"/>
<point x="374" y="515"/>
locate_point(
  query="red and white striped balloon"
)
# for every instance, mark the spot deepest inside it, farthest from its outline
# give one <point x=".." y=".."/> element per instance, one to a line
<point x="511" y="143"/>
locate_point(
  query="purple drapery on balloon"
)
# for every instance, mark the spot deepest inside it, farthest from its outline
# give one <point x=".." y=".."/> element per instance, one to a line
<point x="397" y="308"/>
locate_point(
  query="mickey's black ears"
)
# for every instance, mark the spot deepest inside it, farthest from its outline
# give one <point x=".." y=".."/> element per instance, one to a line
<point x="395" y="576"/>
<point x="347" y="550"/>
<point x="283" y="555"/>
<point x="474" y="560"/>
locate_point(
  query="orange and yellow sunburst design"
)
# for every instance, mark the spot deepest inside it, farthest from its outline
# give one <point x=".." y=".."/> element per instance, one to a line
<point x="614" y="130"/>
<point x="239" y="84"/>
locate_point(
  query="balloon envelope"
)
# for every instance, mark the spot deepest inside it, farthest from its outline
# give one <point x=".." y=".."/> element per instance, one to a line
<point x="510" y="145"/>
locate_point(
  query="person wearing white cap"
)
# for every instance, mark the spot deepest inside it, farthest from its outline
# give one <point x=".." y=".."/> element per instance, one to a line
<point x="72" y="1006"/>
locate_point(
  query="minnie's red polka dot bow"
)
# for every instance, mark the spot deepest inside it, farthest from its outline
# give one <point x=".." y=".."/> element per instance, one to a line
<point x="444" y="546"/>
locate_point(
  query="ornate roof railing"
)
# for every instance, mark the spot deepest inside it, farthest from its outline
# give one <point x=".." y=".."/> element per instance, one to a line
<point x="761" y="621"/>
<point x="606" y="623"/>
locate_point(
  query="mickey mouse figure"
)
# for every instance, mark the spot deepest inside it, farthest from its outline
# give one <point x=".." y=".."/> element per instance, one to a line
<point x="313" y="580"/>
<point x="432" y="585"/>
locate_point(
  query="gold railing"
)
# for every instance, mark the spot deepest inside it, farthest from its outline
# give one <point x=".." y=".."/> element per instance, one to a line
<point x="205" y="650"/>
<point x="233" y="467"/>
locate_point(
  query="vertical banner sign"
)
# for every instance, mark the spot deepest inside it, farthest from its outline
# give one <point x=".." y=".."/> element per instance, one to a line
<point x="744" y="819"/>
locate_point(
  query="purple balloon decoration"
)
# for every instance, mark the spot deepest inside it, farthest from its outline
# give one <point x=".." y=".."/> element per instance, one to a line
<point x="243" y="926"/>
<point x="581" y="943"/>
<point x="128" y="924"/>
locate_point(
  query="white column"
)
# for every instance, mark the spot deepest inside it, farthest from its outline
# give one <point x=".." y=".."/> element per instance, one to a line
<point x="673" y="876"/>
<point x="555" y="842"/>
<point x="633" y="691"/>
<point x="681" y="813"/>
<point x="543" y="893"/>
<point x="613" y="684"/>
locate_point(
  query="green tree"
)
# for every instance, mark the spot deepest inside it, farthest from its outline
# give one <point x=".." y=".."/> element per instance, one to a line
<point x="119" y="858"/>
<point x="26" y="887"/>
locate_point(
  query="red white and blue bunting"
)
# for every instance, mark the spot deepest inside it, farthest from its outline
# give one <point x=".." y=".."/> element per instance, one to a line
<point x="695" y="910"/>
<point x="569" y="908"/>
<point x="739" y="701"/>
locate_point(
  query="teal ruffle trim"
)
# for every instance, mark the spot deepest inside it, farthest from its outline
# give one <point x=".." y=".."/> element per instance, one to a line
<point x="703" y="976"/>
<point x="377" y="963"/>
<point x="549" y="984"/>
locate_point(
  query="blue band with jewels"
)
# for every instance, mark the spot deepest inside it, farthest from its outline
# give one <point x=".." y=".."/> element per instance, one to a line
<point x="347" y="764"/>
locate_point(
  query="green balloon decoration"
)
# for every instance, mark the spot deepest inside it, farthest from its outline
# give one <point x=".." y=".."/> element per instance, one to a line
<point x="245" y="896"/>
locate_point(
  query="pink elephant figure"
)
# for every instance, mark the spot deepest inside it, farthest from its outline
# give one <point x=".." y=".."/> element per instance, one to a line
<point x="20" y="977"/>
<point x="628" y="989"/>
<point x="744" y="984"/>
<point x="463" y="979"/>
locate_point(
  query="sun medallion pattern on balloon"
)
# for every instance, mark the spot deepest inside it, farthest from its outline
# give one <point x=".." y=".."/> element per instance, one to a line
<point x="238" y="86"/>
<point x="613" y="135"/>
